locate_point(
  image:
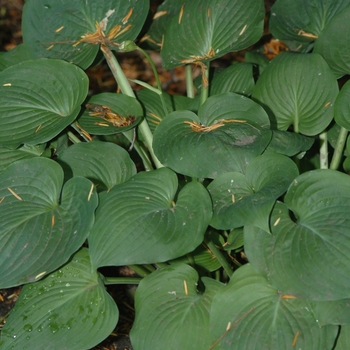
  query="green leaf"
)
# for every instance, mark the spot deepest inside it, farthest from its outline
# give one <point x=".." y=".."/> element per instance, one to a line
<point x="292" y="91"/>
<point x="103" y="163"/>
<point x="235" y="239"/>
<point x="248" y="199"/>
<point x="153" y="106"/>
<point x="40" y="228"/>
<point x="237" y="78"/>
<point x="204" y="30"/>
<point x="335" y="312"/>
<point x="257" y="58"/>
<point x="341" y="107"/>
<point x="142" y="223"/>
<point x="215" y="150"/>
<point x="17" y="55"/>
<point x="343" y="342"/>
<point x="165" y="12"/>
<point x="69" y="309"/>
<point x="171" y="312"/>
<point x="63" y="29"/>
<point x="38" y="99"/>
<point x="250" y="314"/>
<point x="346" y="164"/>
<point x="288" y="143"/>
<point x="306" y="253"/>
<point x="9" y="156"/>
<point x="332" y="43"/>
<point x="302" y="21"/>
<point x="202" y="257"/>
<point x="114" y="113"/>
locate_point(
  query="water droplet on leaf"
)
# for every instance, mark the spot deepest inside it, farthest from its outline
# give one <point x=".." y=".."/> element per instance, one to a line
<point x="28" y="327"/>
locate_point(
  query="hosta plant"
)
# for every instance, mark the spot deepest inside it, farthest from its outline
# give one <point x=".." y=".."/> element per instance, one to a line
<point x="231" y="203"/>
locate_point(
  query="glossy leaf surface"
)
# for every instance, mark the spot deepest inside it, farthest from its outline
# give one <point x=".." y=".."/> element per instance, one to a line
<point x="68" y="310"/>
<point x="74" y="30"/>
<point x="332" y="43"/>
<point x="237" y="78"/>
<point x="248" y="305"/>
<point x="170" y="310"/>
<point x="40" y="227"/>
<point x="142" y="223"/>
<point x="105" y="164"/>
<point x="288" y="143"/>
<point x="38" y="99"/>
<point x="8" y="156"/>
<point x="240" y="200"/>
<point x="291" y="89"/>
<point x="205" y="29"/>
<point x="342" y="106"/>
<point x="306" y="253"/>
<point x="302" y="21"/>
<point x="193" y="151"/>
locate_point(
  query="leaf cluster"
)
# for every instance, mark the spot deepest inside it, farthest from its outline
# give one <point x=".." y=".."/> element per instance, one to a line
<point x="232" y="206"/>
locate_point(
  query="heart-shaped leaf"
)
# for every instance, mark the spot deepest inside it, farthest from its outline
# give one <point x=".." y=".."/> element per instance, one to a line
<point x="237" y="78"/>
<point x="108" y="113"/>
<point x="207" y="29"/>
<point x="302" y="21"/>
<point x="169" y="310"/>
<point x="69" y="309"/>
<point x="289" y="143"/>
<point x="105" y="164"/>
<point x="227" y="134"/>
<point x="142" y="224"/>
<point x="292" y="91"/>
<point x="306" y="253"/>
<point x="74" y="30"/>
<point x="250" y="314"/>
<point x="40" y="228"/>
<point x="342" y="105"/>
<point x="38" y="99"/>
<point x="240" y="200"/>
<point x="332" y="43"/>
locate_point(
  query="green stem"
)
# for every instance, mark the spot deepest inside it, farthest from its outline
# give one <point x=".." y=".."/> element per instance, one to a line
<point x="156" y="75"/>
<point x="190" y="259"/>
<point x="80" y="132"/>
<point x="140" y="270"/>
<point x="323" y="150"/>
<point x="189" y="81"/>
<point x="122" y="280"/>
<point x="127" y="90"/>
<point x="222" y="260"/>
<point x="339" y="148"/>
<point x="117" y="72"/>
<point x="205" y="84"/>
<point x="73" y="138"/>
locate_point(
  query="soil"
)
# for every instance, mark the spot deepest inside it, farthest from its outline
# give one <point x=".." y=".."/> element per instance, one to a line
<point x="101" y="79"/>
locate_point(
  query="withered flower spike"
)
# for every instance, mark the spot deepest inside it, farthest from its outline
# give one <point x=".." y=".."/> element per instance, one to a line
<point x="196" y="127"/>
